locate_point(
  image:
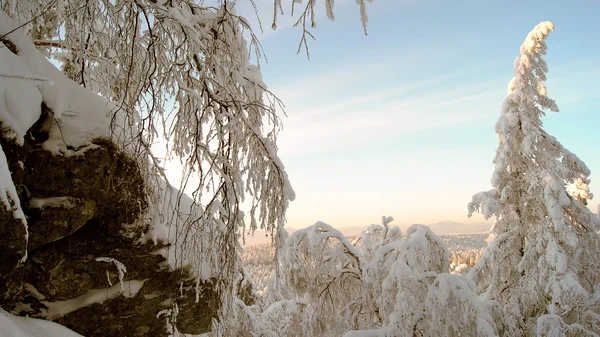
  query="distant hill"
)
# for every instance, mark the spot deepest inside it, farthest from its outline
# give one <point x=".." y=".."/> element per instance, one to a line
<point x="258" y="238"/>
<point x="440" y="228"/>
<point x="451" y="227"/>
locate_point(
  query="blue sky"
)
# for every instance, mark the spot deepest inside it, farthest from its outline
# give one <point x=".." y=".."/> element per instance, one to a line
<point x="401" y="122"/>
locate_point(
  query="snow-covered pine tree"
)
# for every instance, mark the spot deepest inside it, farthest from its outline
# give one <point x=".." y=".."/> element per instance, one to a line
<point x="541" y="264"/>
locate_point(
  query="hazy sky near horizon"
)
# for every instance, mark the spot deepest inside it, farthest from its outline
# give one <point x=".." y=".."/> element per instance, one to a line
<point x="401" y="122"/>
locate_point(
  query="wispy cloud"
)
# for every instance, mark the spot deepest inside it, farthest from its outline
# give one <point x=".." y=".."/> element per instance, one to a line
<point x="378" y="111"/>
<point x="324" y="134"/>
<point x="382" y="111"/>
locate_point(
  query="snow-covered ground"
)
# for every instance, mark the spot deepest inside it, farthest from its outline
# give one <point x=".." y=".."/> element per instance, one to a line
<point x="15" y="326"/>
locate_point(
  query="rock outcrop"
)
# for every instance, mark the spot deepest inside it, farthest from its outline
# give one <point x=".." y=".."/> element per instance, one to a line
<point x="82" y="213"/>
<point x="70" y="219"/>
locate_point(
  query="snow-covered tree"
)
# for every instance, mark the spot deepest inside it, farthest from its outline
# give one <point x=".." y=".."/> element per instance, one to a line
<point x="415" y="295"/>
<point x="540" y="266"/>
<point x="380" y="284"/>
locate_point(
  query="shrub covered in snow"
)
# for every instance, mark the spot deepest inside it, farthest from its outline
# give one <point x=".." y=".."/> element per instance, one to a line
<point x="380" y="284"/>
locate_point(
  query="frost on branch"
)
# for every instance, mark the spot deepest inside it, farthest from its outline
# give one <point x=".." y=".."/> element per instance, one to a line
<point x="538" y="265"/>
<point x="307" y="19"/>
<point x="581" y="190"/>
<point x="453" y="309"/>
<point x="320" y="264"/>
<point x="121" y="269"/>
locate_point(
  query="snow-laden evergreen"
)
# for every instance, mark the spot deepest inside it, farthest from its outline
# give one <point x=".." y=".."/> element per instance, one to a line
<point x="541" y="266"/>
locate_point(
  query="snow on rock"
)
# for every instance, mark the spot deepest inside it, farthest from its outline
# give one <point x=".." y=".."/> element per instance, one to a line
<point x="107" y="184"/>
<point x="166" y="220"/>
<point x="9" y="197"/>
<point x="16" y="326"/>
<point x="79" y="114"/>
<point x="8" y="192"/>
<point x="20" y="98"/>
<point x="60" y="308"/>
<point x="65" y="202"/>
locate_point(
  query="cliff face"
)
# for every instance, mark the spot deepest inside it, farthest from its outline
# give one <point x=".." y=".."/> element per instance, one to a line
<point x="73" y="207"/>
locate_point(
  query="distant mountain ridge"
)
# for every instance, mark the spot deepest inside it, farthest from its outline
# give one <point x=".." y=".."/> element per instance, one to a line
<point x="440" y="228"/>
<point x="452" y="227"/>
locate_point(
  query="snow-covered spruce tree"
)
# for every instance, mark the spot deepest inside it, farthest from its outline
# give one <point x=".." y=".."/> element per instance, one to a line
<point x="541" y="265"/>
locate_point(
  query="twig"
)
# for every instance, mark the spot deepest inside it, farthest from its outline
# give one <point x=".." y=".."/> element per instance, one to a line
<point x="48" y="7"/>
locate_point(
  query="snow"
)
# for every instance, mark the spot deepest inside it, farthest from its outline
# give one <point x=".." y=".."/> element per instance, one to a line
<point x="405" y="279"/>
<point x="167" y="221"/>
<point x="33" y="291"/>
<point x="8" y="195"/>
<point x="79" y="115"/>
<point x="16" y="326"/>
<point x="120" y="269"/>
<point x="383" y="332"/>
<point x="20" y="98"/>
<point x="396" y="282"/>
<point x="543" y="250"/>
<point x="452" y="304"/>
<point x="53" y="202"/>
<point x="364" y="18"/>
<point x="60" y="308"/>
